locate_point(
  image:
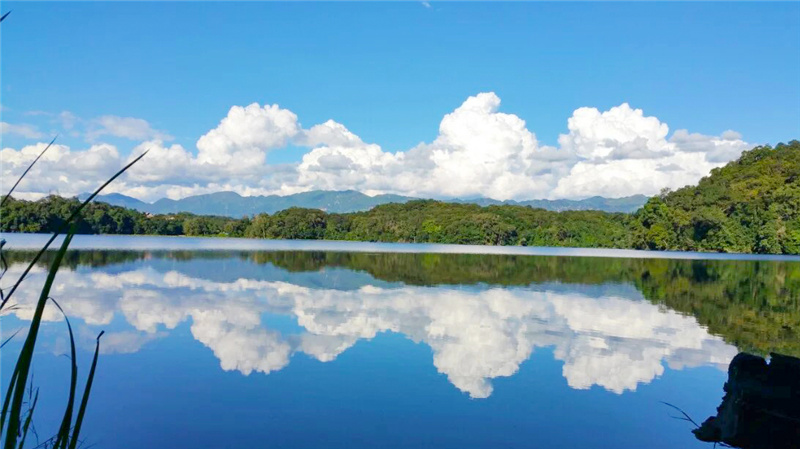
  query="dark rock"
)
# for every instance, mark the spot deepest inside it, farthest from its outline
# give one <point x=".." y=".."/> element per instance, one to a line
<point x="761" y="406"/>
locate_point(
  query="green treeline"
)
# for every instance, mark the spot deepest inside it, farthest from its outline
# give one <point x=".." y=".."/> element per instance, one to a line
<point x="752" y="205"/>
<point x="416" y="221"/>
<point x="49" y="214"/>
<point x="428" y="221"/>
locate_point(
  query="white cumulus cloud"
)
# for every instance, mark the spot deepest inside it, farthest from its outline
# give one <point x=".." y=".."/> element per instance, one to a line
<point x="622" y="152"/>
<point x="60" y="170"/>
<point x="479" y="151"/>
<point x="243" y="137"/>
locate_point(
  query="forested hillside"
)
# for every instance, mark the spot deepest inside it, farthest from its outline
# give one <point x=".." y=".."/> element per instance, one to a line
<point x="438" y="222"/>
<point x="50" y="213"/>
<point x="752" y="205"/>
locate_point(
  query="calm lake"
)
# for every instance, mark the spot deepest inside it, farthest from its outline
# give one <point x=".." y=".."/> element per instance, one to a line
<point x="218" y="343"/>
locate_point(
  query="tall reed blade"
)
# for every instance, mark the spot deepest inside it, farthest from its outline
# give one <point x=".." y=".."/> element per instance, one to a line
<point x="64" y="226"/>
<point x="7" y="399"/>
<point x="85" y="400"/>
<point x="28" y="419"/>
<point x="5" y="342"/>
<point x="22" y="368"/>
<point x="62" y="438"/>
<point x="4" y="265"/>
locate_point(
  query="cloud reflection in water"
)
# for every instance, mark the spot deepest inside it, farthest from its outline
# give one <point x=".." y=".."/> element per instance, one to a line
<point x="606" y="337"/>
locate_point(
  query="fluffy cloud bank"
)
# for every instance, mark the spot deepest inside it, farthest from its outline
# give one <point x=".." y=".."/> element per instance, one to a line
<point x="479" y="151"/>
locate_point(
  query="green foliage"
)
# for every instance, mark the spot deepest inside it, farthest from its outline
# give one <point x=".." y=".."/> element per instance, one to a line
<point x="428" y="221"/>
<point x="209" y="225"/>
<point x="751" y="205"/>
<point x="292" y="223"/>
<point x="50" y="213"/>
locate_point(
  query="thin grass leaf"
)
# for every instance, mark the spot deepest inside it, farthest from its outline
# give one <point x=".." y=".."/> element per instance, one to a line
<point x="44" y="444"/>
<point x="4" y="16"/>
<point x="23" y="365"/>
<point x="8" y="195"/>
<point x="9" y="338"/>
<point x="62" y="438"/>
<point x="3" y="260"/>
<point x="4" y="264"/>
<point x="35" y="433"/>
<point x="85" y="400"/>
<point x="686" y="416"/>
<point x="7" y="400"/>
<point x="28" y="420"/>
<point x="64" y="226"/>
<point x="30" y="387"/>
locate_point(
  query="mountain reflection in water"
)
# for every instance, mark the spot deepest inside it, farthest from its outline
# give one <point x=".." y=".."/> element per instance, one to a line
<point x="613" y="322"/>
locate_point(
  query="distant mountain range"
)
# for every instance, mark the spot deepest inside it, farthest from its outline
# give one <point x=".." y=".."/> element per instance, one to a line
<point x="625" y="204"/>
<point x="234" y="205"/>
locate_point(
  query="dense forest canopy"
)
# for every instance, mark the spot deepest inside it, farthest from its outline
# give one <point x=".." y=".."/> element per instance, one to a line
<point x="751" y="205"/>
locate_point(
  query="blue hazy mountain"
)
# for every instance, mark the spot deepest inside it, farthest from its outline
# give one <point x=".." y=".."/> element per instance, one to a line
<point x="234" y="205"/>
<point x="625" y="204"/>
<point x="118" y="199"/>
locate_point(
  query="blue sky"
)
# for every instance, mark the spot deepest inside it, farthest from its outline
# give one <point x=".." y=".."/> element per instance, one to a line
<point x="390" y="72"/>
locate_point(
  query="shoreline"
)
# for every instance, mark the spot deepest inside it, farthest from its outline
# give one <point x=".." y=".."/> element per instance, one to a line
<point x="30" y="241"/>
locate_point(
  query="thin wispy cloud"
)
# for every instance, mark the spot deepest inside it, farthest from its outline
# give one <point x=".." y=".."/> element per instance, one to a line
<point x="94" y="129"/>
<point x="124" y="127"/>
<point x="24" y="130"/>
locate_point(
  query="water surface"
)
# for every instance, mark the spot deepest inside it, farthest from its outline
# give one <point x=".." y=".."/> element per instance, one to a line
<point x="308" y="346"/>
